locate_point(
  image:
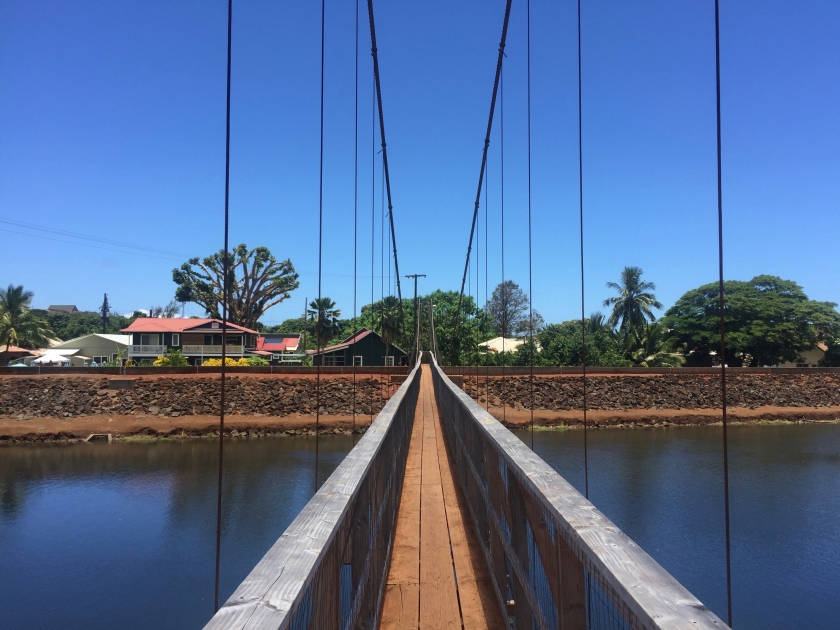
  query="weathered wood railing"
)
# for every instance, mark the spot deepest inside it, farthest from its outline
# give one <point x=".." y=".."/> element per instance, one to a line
<point x="554" y="559"/>
<point x="328" y="569"/>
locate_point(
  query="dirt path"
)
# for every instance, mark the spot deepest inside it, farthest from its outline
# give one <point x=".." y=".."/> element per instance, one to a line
<point x="47" y="429"/>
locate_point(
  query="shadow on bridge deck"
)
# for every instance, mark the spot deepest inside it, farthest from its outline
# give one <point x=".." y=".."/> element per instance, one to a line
<point x="438" y="576"/>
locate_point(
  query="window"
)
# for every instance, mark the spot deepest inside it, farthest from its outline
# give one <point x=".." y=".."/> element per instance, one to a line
<point x="176" y="339"/>
<point x="389" y="361"/>
<point x="100" y="360"/>
<point x="149" y="339"/>
<point x="214" y="325"/>
<point x="357" y="360"/>
<point x="234" y="341"/>
<point x="333" y="360"/>
<point x="275" y="357"/>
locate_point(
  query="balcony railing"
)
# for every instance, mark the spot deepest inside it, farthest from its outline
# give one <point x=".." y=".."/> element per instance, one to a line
<point x="213" y="350"/>
<point x="146" y="350"/>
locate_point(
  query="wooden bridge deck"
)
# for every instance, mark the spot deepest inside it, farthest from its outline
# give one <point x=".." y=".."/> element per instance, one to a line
<point x="438" y="577"/>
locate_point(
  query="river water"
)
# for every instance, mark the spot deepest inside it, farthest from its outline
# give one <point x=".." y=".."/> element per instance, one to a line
<point x="123" y="535"/>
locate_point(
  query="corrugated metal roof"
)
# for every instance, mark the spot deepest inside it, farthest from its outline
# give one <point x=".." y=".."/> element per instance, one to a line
<point x="166" y="324"/>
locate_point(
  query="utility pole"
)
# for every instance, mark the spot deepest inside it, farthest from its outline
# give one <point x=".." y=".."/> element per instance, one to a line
<point x="305" y="320"/>
<point x="415" y="353"/>
<point x="104" y="310"/>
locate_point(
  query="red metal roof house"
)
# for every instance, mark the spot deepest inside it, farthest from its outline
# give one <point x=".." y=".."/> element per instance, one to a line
<point x="197" y="339"/>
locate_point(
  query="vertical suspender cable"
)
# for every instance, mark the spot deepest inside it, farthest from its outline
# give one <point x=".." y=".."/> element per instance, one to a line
<point x="319" y="322"/>
<point x="486" y="284"/>
<point x="502" y="185"/>
<point x="530" y="271"/>
<point x="582" y="291"/>
<point x="722" y="325"/>
<point x="355" y="220"/>
<point x="372" y="314"/>
<point x="224" y="318"/>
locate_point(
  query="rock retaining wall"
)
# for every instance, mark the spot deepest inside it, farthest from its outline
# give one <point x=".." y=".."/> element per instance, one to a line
<point x="68" y="397"/>
<point x="658" y="392"/>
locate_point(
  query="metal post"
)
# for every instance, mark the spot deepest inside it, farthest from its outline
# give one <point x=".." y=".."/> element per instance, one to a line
<point x="415" y="353"/>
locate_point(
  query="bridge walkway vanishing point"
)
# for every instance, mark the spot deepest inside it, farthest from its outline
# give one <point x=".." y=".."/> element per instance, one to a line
<point x="438" y="577"/>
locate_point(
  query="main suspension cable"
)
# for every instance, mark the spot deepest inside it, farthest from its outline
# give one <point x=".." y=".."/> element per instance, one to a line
<point x="374" y="52"/>
<point x="722" y="325"/>
<point x="225" y="290"/>
<point x="481" y="172"/>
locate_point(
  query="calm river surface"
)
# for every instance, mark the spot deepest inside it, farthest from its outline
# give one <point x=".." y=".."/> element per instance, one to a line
<point x="123" y="535"/>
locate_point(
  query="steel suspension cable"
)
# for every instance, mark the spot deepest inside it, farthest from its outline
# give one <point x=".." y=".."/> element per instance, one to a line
<point x="582" y="290"/>
<point x="225" y="289"/>
<point x="722" y="325"/>
<point x="320" y="308"/>
<point x="372" y="229"/>
<point x="486" y="283"/>
<point x="481" y="171"/>
<point x="530" y="267"/>
<point x="374" y="52"/>
<point x="355" y="220"/>
<point x="502" y="185"/>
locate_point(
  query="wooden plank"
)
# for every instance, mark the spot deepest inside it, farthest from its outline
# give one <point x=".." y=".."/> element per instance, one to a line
<point x="438" y="596"/>
<point x="479" y="607"/>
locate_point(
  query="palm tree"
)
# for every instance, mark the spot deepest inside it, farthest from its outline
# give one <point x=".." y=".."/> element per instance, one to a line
<point x="326" y="316"/>
<point x="18" y="324"/>
<point x="651" y="349"/>
<point x="632" y="306"/>
<point x="389" y="322"/>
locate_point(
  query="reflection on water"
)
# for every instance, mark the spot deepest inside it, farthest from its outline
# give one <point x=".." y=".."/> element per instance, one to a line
<point x="664" y="488"/>
<point x="123" y="535"/>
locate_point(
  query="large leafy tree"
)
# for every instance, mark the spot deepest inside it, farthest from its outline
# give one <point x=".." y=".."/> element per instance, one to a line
<point x="326" y="317"/>
<point x="18" y="324"/>
<point x="768" y="320"/>
<point x="71" y="325"/>
<point x="256" y="282"/>
<point x="562" y="344"/>
<point x="508" y="309"/>
<point x="631" y="308"/>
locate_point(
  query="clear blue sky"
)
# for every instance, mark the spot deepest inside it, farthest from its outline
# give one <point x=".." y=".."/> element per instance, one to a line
<point x="112" y="126"/>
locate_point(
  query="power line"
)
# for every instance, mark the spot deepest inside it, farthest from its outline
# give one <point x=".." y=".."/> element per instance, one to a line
<point x="109" y="249"/>
<point x="98" y="239"/>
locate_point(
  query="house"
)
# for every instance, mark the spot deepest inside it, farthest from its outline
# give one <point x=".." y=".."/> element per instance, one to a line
<point x="279" y="348"/>
<point x="12" y="353"/>
<point x="62" y="309"/>
<point x="810" y="358"/>
<point x="499" y="344"/>
<point x="365" y="348"/>
<point x="98" y="348"/>
<point x="197" y="339"/>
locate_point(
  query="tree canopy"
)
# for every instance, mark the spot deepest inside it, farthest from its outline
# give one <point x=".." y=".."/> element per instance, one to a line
<point x="256" y="282"/>
<point x="507" y="309"/>
<point x="768" y="320"/>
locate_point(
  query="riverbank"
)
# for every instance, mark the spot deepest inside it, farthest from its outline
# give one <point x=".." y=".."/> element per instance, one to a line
<point x="641" y="418"/>
<point x="134" y="427"/>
